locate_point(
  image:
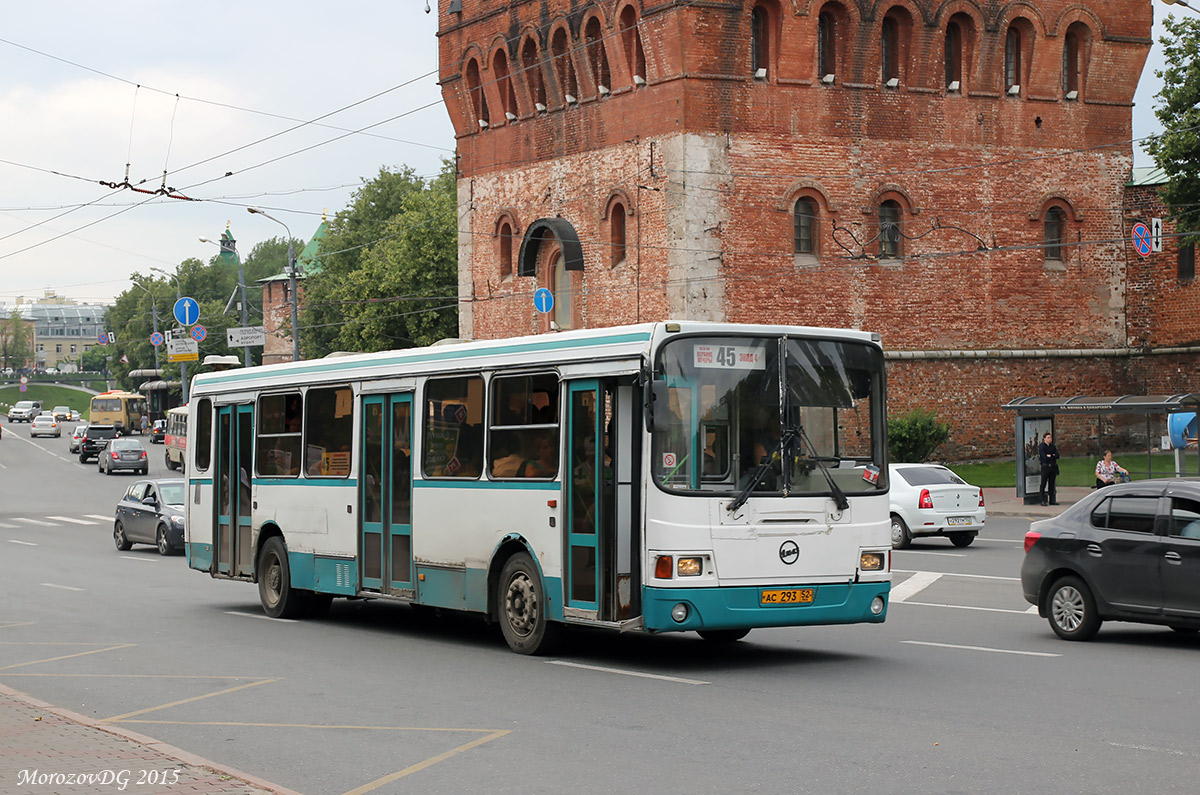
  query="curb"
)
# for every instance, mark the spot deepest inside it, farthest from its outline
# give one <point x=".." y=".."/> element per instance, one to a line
<point x="170" y="751"/>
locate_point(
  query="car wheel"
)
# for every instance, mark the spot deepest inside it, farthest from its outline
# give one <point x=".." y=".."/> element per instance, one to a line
<point x="164" y="545"/>
<point x="521" y="601"/>
<point x="723" y="635"/>
<point x="279" y="599"/>
<point x="107" y="468"/>
<point x="82" y="458"/>
<point x="1072" y="610"/>
<point x="901" y="538"/>
<point x="961" y="539"/>
<point x="145" y="470"/>
<point x="119" y="538"/>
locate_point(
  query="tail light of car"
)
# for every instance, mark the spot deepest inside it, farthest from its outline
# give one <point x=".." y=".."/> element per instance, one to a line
<point x="143" y="455"/>
<point x="981" y="498"/>
<point x="926" y="501"/>
<point x="1031" y="538"/>
<point x="115" y="455"/>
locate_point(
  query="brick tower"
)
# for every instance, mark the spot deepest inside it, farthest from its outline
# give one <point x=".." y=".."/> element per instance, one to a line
<point x="949" y="174"/>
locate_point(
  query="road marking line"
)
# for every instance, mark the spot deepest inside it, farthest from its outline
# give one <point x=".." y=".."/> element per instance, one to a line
<point x="930" y="552"/>
<point x="956" y="574"/>
<point x="64" y="587"/>
<point x="260" y="616"/>
<point x="131" y="557"/>
<point x="1171" y="751"/>
<point x="116" y="718"/>
<point x="969" y="607"/>
<point x="22" y="543"/>
<point x="914" y="585"/>
<point x="1032" y="609"/>
<point x="419" y="766"/>
<point x="1002" y="540"/>
<point x="607" y="670"/>
<point x="981" y="648"/>
<point x="69" y="656"/>
<point x="69" y="519"/>
<point x="98" y="516"/>
<point x="8" y="526"/>
<point x="34" y="521"/>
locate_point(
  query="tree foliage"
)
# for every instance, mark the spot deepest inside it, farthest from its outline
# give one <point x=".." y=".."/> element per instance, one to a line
<point x="16" y="341"/>
<point x="389" y="268"/>
<point x="913" y="437"/>
<point x="1177" y="151"/>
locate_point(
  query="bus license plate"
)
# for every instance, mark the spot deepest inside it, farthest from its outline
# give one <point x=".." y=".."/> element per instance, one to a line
<point x="789" y="596"/>
<point x="958" y="521"/>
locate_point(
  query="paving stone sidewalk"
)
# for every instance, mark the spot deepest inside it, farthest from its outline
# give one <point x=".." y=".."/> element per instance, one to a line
<point x="45" y="750"/>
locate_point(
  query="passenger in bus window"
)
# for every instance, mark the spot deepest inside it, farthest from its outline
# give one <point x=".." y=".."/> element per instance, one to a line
<point x="292" y="414"/>
<point x="544" y="462"/>
<point x="507" y="455"/>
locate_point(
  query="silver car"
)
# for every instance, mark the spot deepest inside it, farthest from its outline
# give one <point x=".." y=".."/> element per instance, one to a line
<point x="930" y="500"/>
<point x="123" y="453"/>
<point x="76" y="438"/>
<point x="44" y="425"/>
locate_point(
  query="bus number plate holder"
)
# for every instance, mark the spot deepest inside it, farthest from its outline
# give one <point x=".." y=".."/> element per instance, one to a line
<point x="786" y="596"/>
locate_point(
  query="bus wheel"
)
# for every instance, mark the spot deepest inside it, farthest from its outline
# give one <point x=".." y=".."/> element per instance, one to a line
<point x="521" y="602"/>
<point x="279" y="599"/>
<point x="170" y="463"/>
<point x="723" y="635"/>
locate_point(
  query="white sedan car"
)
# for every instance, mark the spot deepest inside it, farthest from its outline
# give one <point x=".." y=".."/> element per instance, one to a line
<point x="44" y="425"/>
<point x="930" y="500"/>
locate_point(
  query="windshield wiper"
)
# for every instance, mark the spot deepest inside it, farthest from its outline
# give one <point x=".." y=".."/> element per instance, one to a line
<point x="760" y="471"/>
<point x="839" y="496"/>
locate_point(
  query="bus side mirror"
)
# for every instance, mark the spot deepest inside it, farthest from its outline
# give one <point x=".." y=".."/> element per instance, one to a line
<point x="654" y="393"/>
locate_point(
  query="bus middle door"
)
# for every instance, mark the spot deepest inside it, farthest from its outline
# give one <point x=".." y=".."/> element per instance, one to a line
<point x="385" y="532"/>
<point x="233" y="465"/>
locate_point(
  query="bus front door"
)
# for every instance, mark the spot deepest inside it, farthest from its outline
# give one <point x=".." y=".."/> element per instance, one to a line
<point x="233" y="465"/>
<point x="584" y="484"/>
<point x="385" y="535"/>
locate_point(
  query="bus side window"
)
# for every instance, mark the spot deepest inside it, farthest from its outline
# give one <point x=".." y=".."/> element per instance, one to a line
<point x="452" y="444"/>
<point x="203" y="434"/>
<point x="523" y="435"/>
<point x="329" y="429"/>
<point x="280" y="420"/>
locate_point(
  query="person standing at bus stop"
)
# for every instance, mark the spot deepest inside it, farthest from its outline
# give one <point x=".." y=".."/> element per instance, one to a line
<point x="145" y="424"/>
<point x="1048" y="457"/>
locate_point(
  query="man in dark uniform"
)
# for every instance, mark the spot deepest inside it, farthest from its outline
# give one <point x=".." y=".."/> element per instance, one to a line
<point x="1048" y="457"/>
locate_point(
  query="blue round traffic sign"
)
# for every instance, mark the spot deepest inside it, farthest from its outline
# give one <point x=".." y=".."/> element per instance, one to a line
<point x="102" y="338"/>
<point x="199" y="333"/>
<point x="543" y="300"/>
<point x="1141" y="239"/>
<point x="156" y="339"/>
<point x="22" y="388"/>
<point x="186" y="311"/>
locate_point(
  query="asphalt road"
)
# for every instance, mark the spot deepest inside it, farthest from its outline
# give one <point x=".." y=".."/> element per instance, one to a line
<point x="962" y="690"/>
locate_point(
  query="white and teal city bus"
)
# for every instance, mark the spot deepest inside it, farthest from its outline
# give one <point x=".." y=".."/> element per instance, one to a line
<point x="654" y="478"/>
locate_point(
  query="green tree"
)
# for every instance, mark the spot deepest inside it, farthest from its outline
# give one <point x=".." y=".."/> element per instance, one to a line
<point x="390" y="279"/>
<point x="1177" y="151"/>
<point x="913" y="437"/>
<point x="16" y="341"/>
<point x="93" y="361"/>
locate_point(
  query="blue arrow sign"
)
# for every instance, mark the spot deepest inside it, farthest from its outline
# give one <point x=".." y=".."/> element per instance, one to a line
<point x="187" y="311"/>
<point x="1141" y="239"/>
<point x="543" y="300"/>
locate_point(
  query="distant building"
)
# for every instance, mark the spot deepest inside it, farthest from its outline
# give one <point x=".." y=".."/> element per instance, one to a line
<point x="63" y="329"/>
<point x="276" y="299"/>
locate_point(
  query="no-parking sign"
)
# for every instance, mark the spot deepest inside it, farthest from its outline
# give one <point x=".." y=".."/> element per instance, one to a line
<point x="1141" y="239"/>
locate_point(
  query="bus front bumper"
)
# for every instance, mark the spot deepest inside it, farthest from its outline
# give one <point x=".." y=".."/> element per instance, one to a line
<point x="742" y="607"/>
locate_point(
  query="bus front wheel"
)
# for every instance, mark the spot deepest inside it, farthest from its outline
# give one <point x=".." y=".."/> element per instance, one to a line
<point x="521" y="603"/>
<point x="279" y="599"/>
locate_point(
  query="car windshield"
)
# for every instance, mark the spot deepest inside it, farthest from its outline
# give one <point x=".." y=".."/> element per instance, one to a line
<point x="729" y="411"/>
<point x="171" y="493"/>
<point x="126" y="444"/>
<point x="24" y="404"/>
<point x="929" y="476"/>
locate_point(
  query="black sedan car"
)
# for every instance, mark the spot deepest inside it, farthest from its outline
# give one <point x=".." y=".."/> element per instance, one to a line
<point x="1128" y="552"/>
<point x="151" y="512"/>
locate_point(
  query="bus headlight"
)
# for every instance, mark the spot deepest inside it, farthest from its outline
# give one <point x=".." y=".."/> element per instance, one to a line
<point x="871" y="561"/>
<point x="679" y="613"/>
<point x="690" y="567"/>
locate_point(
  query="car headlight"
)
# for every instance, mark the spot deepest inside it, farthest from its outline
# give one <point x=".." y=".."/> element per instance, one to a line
<point x="177" y="520"/>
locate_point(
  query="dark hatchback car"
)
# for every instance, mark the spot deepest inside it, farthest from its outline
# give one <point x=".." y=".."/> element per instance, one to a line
<point x="95" y="439"/>
<point x="151" y="512"/>
<point x="1127" y="552"/>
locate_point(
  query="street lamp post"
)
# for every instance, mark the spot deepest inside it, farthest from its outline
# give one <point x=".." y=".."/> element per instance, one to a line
<point x="228" y="244"/>
<point x="291" y="284"/>
<point x="182" y="365"/>
<point x="153" y="316"/>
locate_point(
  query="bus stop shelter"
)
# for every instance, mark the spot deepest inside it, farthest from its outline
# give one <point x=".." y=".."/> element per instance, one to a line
<point x="1035" y="417"/>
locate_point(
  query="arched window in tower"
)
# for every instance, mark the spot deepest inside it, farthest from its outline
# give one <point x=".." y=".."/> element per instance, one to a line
<point x="632" y="39"/>
<point x="826" y="45"/>
<point x="889" y="43"/>
<point x="806" y="226"/>
<point x="475" y="90"/>
<point x="891" y="226"/>
<point x="1054" y="234"/>
<point x="564" y="69"/>
<point x="597" y="57"/>
<point x="508" y="96"/>
<point x="954" y="55"/>
<point x="1075" y="45"/>
<point x="532" y="65"/>
<point x="1012" y="60"/>
<point x="564" y="295"/>
<point x="616" y="232"/>
<point x="760" y="41"/>
<point x="505" y="235"/>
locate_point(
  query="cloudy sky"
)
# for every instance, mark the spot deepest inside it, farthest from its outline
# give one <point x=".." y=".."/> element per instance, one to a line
<point x="89" y="87"/>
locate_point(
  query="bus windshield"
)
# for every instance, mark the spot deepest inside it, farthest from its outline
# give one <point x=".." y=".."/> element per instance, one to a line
<point x="732" y="419"/>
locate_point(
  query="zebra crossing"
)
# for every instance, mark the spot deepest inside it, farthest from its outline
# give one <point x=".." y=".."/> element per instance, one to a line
<point x="17" y="522"/>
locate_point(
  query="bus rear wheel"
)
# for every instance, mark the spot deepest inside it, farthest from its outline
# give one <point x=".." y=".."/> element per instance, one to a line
<point x="521" y="603"/>
<point x="279" y="599"/>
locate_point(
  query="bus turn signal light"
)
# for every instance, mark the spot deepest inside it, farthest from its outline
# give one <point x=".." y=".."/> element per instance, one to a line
<point x="662" y="569"/>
